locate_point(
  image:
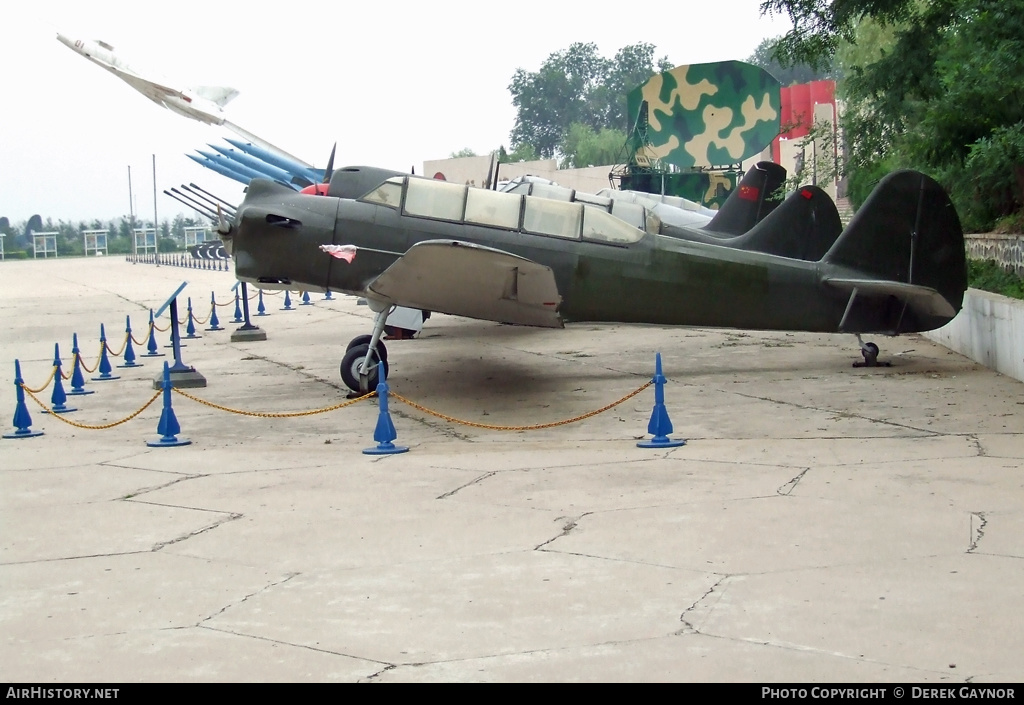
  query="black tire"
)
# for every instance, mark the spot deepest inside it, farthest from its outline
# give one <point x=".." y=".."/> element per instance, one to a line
<point x="870" y="353"/>
<point x="382" y="351"/>
<point x="350" y="369"/>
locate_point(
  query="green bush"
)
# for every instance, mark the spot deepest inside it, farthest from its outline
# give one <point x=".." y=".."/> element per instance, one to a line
<point x="990" y="276"/>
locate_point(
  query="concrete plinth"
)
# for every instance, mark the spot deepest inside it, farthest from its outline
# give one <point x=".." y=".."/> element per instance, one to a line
<point x="243" y="335"/>
<point x="186" y="379"/>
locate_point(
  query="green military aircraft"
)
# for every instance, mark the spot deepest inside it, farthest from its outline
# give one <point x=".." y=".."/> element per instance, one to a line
<point x="402" y="240"/>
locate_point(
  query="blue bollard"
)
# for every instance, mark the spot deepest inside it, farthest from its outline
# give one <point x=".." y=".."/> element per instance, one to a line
<point x="57" y="399"/>
<point x="660" y="425"/>
<point x="214" y="321"/>
<point x="151" y="346"/>
<point x="77" y="379"/>
<point x="22" y="419"/>
<point x="261" y="310"/>
<point x="287" y="301"/>
<point x="104" y="367"/>
<point x="238" y="311"/>
<point x="385" y="432"/>
<point x="190" y="328"/>
<point x="129" y="348"/>
<point x="305" y="299"/>
<point x="327" y="295"/>
<point x="168" y="427"/>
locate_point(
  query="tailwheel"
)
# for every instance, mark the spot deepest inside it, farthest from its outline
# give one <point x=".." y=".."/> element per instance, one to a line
<point x="870" y="353"/>
<point x="353" y="361"/>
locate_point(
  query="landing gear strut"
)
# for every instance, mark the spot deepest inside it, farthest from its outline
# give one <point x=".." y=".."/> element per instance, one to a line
<point x="359" y="369"/>
<point x="870" y="353"/>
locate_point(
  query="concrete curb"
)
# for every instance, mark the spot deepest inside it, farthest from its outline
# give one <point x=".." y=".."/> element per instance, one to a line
<point x="989" y="330"/>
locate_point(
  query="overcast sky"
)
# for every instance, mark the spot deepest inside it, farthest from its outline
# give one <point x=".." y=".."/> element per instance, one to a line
<point x="394" y="83"/>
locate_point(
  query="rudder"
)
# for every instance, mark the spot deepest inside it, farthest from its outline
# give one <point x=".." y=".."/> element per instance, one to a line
<point x="904" y="240"/>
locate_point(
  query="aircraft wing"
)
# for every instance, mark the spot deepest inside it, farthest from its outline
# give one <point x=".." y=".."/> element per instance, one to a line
<point x="921" y="298"/>
<point x="143" y="85"/>
<point x="463" y="279"/>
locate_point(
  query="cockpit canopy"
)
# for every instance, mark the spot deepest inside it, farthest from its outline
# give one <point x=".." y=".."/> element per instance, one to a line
<point x="572" y="220"/>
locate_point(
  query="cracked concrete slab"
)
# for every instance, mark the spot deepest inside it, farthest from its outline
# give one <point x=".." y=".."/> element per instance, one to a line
<point x="781" y="533"/>
<point x="928" y="613"/>
<point x="194" y="654"/>
<point x="824" y="523"/>
<point x="45" y="602"/>
<point x="407" y="612"/>
<point x="598" y="486"/>
<point x="683" y="657"/>
<point x="75" y="530"/>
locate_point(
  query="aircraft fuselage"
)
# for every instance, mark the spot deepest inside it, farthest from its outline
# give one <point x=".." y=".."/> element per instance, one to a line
<point x="655" y="280"/>
<point x="177" y="100"/>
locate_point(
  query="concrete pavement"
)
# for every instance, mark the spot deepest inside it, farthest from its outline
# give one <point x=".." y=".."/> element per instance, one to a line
<point x="823" y="524"/>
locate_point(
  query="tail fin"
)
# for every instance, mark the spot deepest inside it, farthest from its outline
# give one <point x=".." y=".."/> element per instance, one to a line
<point x="804" y="227"/>
<point x="901" y="259"/>
<point x="221" y="95"/>
<point x="751" y="201"/>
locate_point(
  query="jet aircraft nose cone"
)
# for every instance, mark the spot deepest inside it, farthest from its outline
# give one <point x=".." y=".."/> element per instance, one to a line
<point x="67" y="41"/>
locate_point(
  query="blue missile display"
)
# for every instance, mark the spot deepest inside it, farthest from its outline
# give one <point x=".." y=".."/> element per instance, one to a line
<point x="222" y="170"/>
<point x="271" y="171"/>
<point x="235" y="166"/>
<point x="292" y="167"/>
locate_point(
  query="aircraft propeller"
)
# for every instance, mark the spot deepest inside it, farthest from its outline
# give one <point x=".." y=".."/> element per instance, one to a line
<point x="330" y="165"/>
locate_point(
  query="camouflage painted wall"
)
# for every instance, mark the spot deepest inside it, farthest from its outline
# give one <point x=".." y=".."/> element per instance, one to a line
<point x="705" y="115"/>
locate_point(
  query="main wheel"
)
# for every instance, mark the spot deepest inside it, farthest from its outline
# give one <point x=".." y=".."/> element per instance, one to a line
<point x="365" y="340"/>
<point x="351" y="363"/>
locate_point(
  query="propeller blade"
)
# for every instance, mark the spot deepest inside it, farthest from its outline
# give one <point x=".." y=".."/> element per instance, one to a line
<point x="330" y="165"/>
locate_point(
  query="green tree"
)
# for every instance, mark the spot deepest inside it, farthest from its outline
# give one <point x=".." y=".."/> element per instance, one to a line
<point x="464" y="152"/>
<point x="929" y="84"/>
<point x="523" y="153"/>
<point x="576" y="86"/>
<point x="178" y="227"/>
<point x="583" y="146"/>
<point x="787" y="75"/>
<point x="820" y="25"/>
<point x="630" y="69"/>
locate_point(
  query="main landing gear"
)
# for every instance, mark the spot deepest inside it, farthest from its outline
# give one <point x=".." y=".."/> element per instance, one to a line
<point x="359" y="369"/>
<point x="870" y="353"/>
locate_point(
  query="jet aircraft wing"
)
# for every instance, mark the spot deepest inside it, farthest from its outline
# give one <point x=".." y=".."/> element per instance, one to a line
<point x="142" y="85"/>
<point x="465" y="279"/>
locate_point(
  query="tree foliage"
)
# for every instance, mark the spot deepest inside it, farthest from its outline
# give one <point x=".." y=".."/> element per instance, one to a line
<point x="583" y="146"/>
<point x="820" y="25"/>
<point x="929" y="84"/>
<point x="523" y="153"/>
<point x="787" y="74"/>
<point x="577" y="86"/>
<point x="70" y="236"/>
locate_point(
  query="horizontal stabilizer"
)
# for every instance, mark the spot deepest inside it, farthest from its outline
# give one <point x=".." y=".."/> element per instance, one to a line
<point x="221" y="95"/>
<point x="463" y="279"/>
<point x="922" y="298"/>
